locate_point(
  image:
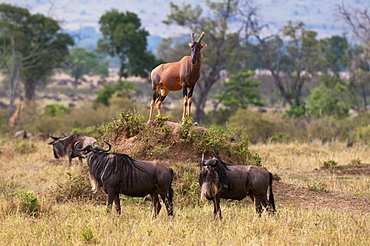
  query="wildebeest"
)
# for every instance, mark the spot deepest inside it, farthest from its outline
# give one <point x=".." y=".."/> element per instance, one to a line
<point x="175" y="76"/>
<point x="221" y="180"/>
<point x="64" y="145"/>
<point x="117" y="173"/>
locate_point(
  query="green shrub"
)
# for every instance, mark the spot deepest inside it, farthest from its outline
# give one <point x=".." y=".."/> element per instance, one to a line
<point x="56" y="110"/>
<point x="330" y="164"/>
<point x="76" y="187"/>
<point x="318" y="186"/>
<point x="28" y="203"/>
<point x="129" y="124"/>
<point x="363" y="133"/>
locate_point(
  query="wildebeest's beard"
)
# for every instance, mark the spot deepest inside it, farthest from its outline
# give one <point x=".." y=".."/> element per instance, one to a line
<point x="210" y="185"/>
<point x="213" y="178"/>
<point x="59" y="150"/>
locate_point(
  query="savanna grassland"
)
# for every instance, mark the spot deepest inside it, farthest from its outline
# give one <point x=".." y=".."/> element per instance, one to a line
<point x="322" y="197"/>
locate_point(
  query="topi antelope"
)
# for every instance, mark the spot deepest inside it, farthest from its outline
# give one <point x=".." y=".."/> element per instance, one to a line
<point x="175" y="76"/>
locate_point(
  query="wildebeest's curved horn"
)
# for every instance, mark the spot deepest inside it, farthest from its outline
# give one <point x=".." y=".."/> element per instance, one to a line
<point x="55" y="138"/>
<point x="63" y="134"/>
<point x="202" y="162"/>
<point x="201" y="37"/>
<point x="192" y="36"/>
<point x="211" y="162"/>
<point x="84" y="148"/>
<point x="101" y="149"/>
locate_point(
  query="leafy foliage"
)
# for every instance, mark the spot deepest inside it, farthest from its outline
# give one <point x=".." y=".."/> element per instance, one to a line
<point x="86" y="63"/>
<point x="331" y="98"/>
<point x="239" y="91"/>
<point x="56" y="109"/>
<point x="76" y="187"/>
<point x="124" y="37"/>
<point x="29" y="204"/>
<point x="124" y="88"/>
<point x="33" y="46"/>
<point x="128" y="124"/>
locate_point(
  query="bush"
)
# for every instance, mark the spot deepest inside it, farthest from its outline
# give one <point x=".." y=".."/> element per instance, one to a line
<point x="28" y="203"/>
<point x="330" y="164"/>
<point x="129" y="124"/>
<point x="75" y="188"/>
<point x="264" y="127"/>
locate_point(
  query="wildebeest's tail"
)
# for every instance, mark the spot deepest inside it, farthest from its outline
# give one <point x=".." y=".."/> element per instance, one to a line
<point x="271" y="198"/>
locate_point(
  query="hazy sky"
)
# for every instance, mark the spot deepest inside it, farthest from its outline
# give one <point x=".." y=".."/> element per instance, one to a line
<point x="318" y="15"/>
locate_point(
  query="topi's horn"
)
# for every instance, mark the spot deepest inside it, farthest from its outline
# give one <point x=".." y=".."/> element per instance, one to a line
<point x="192" y="36"/>
<point x="201" y="37"/>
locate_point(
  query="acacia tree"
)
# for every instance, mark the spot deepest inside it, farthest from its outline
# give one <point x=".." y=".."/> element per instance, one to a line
<point x="86" y="62"/>
<point x="221" y="39"/>
<point x="124" y="37"/>
<point x="31" y="46"/>
<point x="52" y="51"/>
<point x="239" y="92"/>
<point x="292" y="57"/>
<point x="358" y="20"/>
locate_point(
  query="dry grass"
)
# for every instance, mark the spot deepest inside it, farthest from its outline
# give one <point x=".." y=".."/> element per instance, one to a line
<point x="301" y="164"/>
<point x="85" y="222"/>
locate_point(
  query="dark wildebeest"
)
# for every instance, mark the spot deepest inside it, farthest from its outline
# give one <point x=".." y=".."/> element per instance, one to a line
<point x="120" y="174"/>
<point x="64" y="145"/>
<point x="221" y="180"/>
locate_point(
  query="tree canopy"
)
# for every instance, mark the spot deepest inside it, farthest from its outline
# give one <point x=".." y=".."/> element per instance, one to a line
<point x="123" y="36"/>
<point x="31" y="47"/>
<point x="86" y="62"/>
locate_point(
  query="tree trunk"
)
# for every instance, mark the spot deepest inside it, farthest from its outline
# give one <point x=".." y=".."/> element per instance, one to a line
<point x="30" y="88"/>
<point x="14" y="74"/>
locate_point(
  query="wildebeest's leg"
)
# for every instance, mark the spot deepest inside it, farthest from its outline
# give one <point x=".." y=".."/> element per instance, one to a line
<point x="216" y="206"/>
<point x="111" y="195"/>
<point x="258" y="204"/>
<point x="117" y="202"/>
<point x="167" y="198"/>
<point x="156" y="204"/>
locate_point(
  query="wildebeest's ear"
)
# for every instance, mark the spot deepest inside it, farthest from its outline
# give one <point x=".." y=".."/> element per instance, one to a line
<point x="214" y="154"/>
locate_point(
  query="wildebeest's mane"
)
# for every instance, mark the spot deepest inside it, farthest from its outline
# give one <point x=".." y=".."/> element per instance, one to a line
<point x="221" y="171"/>
<point x="128" y="160"/>
<point x="224" y="165"/>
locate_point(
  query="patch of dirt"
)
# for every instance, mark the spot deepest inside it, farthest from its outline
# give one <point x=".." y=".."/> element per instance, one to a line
<point x="288" y="194"/>
<point x="359" y="169"/>
<point x="285" y="194"/>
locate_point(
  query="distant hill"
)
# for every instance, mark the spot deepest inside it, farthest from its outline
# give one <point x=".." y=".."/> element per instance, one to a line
<point x="87" y="37"/>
